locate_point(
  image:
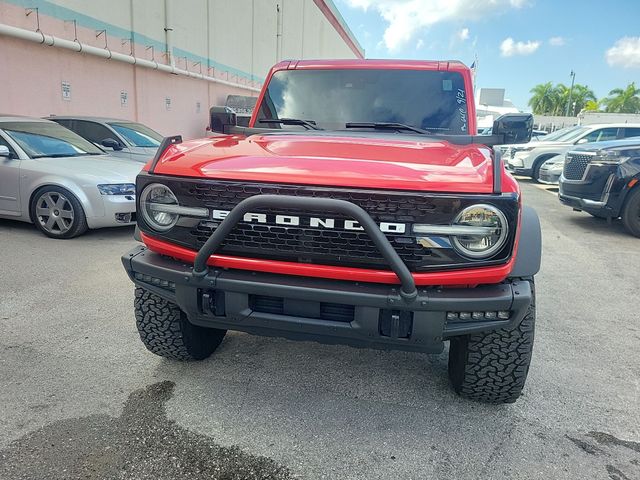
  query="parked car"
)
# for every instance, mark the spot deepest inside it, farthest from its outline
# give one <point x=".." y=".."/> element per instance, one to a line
<point x="122" y="138"/>
<point x="538" y="134"/>
<point x="527" y="159"/>
<point x="551" y="170"/>
<point x="604" y="180"/>
<point x="61" y="182"/>
<point x="535" y="134"/>
<point x="342" y="225"/>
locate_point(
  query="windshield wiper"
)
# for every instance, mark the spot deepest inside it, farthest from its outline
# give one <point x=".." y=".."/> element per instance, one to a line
<point x="308" y="124"/>
<point x="387" y="126"/>
<point x="55" y="155"/>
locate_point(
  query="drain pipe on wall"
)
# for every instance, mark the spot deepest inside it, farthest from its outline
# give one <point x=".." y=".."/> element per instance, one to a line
<point x="168" y="32"/>
<point x="76" y="46"/>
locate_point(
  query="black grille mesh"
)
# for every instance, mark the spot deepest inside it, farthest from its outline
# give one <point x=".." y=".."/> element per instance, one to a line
<point x="313" y="245"/>
<point x="326" y="246"/>
<point x="336" y="312"/>
<point x="575" y="165"/>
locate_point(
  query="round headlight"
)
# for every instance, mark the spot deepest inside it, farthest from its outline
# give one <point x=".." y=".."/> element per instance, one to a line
<point x="158" y="204"/>
<point x="491" y="233"/>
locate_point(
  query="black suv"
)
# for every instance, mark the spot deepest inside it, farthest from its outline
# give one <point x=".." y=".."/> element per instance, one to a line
<point x="603" y="179"/>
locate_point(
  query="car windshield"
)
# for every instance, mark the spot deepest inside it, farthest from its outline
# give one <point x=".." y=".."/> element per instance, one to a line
<point x="559" y="133"/>
<point x="568" y="135"/>
<point x="431" y="100"/>
<point x="48" y="139"/>
<point x="137" y="135"/>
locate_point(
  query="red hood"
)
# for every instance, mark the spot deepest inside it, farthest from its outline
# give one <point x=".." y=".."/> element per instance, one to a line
<point x="334" y="161"/>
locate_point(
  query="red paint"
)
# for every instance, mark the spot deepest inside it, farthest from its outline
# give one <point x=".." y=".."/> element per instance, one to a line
<point x="343" y="161"/>
<point x="336" y="161"/>
<point x="333" y="20"/>
<point x="470" y="276"/>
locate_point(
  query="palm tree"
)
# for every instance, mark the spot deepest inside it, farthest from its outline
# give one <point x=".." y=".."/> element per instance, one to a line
<point x="592" y="106"/>
<point x="580" y="96"/>
<point x="542" y="100"/>
<point x="623" y="100"/>
<point x="549" y="99"/>
<point x="560" y="97"/>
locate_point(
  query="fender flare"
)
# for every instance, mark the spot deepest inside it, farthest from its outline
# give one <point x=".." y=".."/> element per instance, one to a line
<point x="626" y="191"/>
<point x="529" y="253"/>
<point x="540" y="159"/>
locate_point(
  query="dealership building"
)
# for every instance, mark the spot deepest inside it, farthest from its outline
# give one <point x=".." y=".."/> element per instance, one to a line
<point x="159" y="62"/>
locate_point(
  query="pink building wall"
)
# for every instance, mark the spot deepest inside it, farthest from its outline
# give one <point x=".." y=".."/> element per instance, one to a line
<point x="31" y="77"/>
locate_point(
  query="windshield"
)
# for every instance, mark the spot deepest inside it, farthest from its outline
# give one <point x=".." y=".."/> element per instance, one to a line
<point x="571" y="135"/>
<point x="137" y="135"/>
<point x="430" y="100"/>
<point x="564" y="132"/>
<point x="48" y="139"/>
<point x="559" y="133"/>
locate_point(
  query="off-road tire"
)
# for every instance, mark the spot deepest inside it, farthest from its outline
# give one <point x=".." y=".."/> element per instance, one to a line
<point x="492" y="367"/>
<point x="631" y="212"/>
<point x="165" y="330"/>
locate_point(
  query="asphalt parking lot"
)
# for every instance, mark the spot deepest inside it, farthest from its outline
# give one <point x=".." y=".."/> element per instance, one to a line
<point x="81" y="398"/>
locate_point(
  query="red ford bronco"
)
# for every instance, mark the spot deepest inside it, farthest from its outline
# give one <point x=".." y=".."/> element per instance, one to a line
<point x="357" y="207"/>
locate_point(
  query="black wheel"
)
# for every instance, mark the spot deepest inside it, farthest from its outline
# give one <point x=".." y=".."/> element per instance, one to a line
<point x="57" y="213"/>
<point x="165" y="330"/>
<point x="492" y="367"/>
<point x="631" y="212"/>
<point x="535" y="172"/>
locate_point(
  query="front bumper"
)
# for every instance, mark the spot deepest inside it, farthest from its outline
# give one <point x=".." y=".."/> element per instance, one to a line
<point x="371" y="315"/>
<point x="549" y="177"/>
<point x="519" y="170"/>
<point x="119" y="210"/>
<point x="598" y="195"/>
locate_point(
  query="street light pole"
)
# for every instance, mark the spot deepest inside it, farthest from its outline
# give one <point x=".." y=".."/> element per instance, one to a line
<point x="573" y="79"/>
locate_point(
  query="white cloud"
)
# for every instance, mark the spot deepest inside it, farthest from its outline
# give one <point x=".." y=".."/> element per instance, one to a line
<point x="463" y="34"/>
<point x="557" y="41"/>
<point x="419" y="44"/>
<point x="405" y="18"/>
<point x="509" y="47"/>
<point x="625" y="53"/>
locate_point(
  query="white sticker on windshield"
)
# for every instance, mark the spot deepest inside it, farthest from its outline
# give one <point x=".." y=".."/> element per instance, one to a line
<point x="447" y="85"/>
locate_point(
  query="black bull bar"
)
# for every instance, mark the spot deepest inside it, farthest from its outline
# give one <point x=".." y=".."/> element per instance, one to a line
<point x="408" y="289"/>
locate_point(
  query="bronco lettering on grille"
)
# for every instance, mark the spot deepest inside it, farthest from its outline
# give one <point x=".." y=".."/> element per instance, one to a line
<point x="313" y="222"/>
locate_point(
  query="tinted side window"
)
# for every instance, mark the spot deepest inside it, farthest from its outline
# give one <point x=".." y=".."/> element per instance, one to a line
<point x="631" y="132"/>
<point x="602" y="134"/>
<point x="65" y="123"/>
<point x="94" y="132"/>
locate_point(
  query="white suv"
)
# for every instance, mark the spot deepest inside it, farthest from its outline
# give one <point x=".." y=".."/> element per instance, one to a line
<point x="527" y="159"/>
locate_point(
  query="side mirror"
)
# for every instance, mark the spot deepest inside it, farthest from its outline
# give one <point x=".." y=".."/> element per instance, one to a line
<point x="221" y="118"/>
<point x="5" y="152"/>
<point x="111" y="143"/>
<point x="582" y="140"/>
<point x="514" y="127"/>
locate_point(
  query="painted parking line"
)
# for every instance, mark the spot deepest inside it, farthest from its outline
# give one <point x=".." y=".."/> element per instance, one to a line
<point x="552" y="189"/>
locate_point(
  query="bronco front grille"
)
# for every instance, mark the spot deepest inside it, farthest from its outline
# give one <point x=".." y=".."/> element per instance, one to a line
<point x="575" y="165"/>
<point x="336" y="246"/>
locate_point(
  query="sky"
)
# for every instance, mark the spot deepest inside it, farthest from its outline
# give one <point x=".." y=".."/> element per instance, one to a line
<point x="518" y="43"/>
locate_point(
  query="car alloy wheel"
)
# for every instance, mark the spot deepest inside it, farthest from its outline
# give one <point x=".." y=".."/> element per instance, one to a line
<point x="55" y="213"/>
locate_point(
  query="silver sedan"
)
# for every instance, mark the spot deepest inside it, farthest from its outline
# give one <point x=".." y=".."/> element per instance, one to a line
<point x="59" y="181"/>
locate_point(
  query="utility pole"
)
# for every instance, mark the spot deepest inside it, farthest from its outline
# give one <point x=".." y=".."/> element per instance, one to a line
<point x="573" y="79"/>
